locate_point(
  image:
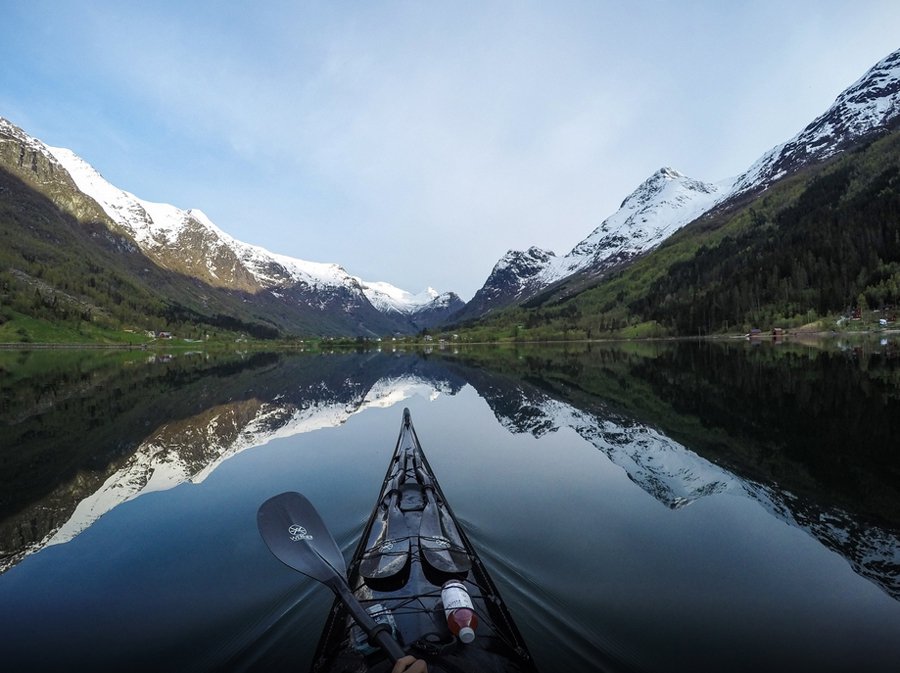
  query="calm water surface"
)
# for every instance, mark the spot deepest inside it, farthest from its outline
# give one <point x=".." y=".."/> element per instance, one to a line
<point x="680" y="507"/>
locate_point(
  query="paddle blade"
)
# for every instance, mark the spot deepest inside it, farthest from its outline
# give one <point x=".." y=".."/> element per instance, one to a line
<point x="295" y="533"/>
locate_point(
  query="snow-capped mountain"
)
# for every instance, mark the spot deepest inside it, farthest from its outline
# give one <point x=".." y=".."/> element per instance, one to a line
<point x="870" y="106"/>
<point x="668" y="200"/>
<point x="187" y="242"/>
<point x="661" y="205"/>
<point x="425" y="309"/>
<point x="664" y="203"/>
<point x="515" y="278"/>
<point x="190" y="242"/>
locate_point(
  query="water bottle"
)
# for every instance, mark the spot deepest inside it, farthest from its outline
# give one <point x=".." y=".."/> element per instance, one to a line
<point x="459" y="611"/>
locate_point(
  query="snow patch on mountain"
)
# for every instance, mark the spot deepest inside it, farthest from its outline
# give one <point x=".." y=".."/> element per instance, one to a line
<point x="869" y="104"/>
<point x="659" y="207"/>
<point x="386" y="297"/>
<point x="159" y="227"/>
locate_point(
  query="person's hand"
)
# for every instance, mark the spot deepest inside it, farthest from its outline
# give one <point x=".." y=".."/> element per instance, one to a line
<point x="409" y="664"/>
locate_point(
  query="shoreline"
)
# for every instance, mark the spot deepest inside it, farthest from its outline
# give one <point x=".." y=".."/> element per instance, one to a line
<point x="767" y="336"/>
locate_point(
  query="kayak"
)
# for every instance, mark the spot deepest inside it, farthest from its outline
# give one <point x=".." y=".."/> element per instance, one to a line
<point x="411" y="547"/>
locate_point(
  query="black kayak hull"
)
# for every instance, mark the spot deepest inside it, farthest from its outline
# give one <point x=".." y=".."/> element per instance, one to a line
<point x="411" y="545"/>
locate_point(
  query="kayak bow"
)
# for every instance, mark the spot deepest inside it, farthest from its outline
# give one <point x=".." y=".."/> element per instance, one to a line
<point x="411" y="545"/>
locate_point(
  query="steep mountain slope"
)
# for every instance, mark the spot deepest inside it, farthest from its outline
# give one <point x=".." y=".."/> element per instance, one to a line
<point x="662" y="204"/>
<point x="869" y="106"/>
<point x="786" y="253"/>
<point x="668" y="201"/>
<point x="63" y="261"/>
<point x="189" y="242"/>
<point x="817" y="243"/>
<point x="293" y="294"/>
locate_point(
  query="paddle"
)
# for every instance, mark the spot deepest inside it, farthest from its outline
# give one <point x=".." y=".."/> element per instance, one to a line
<point x="295" y="533"/>
<point x="441" y="547"/>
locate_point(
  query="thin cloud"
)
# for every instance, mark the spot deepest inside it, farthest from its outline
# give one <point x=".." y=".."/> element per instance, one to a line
<point x="416" y="143"/>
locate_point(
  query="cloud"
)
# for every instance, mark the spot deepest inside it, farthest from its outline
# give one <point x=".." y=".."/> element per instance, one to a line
<point x="389" y="137"/>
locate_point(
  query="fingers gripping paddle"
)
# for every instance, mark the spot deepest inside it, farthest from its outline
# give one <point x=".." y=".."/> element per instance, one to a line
<point x="295" y="533"/>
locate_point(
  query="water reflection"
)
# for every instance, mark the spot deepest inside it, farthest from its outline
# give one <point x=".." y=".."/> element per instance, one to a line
<point x="810" y="434"/>
<point x="82" y="434"/>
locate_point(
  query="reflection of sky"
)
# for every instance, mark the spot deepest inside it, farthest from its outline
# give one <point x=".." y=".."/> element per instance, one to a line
<point x="581" y="549"/>
<point x="592" y="564"/>
<point x="155" y="465"/>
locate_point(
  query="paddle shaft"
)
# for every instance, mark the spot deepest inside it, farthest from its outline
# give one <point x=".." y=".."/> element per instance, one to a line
<point x="378" y="633"/>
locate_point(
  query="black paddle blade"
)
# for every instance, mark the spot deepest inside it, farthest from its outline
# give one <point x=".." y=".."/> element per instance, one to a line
<point x="295" y="533"/>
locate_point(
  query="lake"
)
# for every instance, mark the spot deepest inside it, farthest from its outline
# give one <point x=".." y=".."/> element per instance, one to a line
<point x="686" y="506"/>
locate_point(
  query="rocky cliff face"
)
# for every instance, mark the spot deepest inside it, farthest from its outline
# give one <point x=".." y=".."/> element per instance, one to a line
<point x="29" y="160"/>
<point x="516" y="277"/>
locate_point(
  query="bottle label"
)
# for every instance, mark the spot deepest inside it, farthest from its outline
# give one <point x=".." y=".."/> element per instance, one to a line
<point x="455" y="596"/>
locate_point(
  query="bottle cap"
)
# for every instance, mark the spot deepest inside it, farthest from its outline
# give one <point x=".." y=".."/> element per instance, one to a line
<point x="466" y="634"/>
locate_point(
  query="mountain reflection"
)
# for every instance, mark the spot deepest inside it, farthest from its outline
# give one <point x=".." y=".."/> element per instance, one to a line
<point x="804" y="432"/>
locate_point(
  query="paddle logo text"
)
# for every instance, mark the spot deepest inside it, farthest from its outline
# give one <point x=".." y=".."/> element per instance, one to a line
<point x="298" y="533"/>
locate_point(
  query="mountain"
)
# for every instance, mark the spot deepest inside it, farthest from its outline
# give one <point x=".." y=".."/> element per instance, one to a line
<point x="668" y="201"/>
<point x="294" y="295"/>
<point x="870" y="106"/>
<point x="65" y="265"/>
<point x="424" y="310"/>
<point x="662" y="204"/>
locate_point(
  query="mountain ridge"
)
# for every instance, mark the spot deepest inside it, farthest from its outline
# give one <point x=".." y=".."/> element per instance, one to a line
<point x="157" y="226"/>
<point x="651" y="214"/>
<point x="188" y="243"/>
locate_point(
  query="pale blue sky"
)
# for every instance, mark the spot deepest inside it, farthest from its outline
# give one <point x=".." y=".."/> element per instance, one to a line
<point x="416" y="142"/>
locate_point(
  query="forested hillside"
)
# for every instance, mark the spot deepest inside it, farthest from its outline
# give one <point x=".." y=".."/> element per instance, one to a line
<point x="836" y="246"/>
<point x="76" y="276"/>
<point x="817" y="244"/>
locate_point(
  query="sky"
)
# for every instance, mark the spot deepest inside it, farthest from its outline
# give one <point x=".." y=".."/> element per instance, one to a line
<point x="416" y="142"/>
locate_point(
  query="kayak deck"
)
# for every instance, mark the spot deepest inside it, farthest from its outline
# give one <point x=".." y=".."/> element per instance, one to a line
<point x="410" y="546"/>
